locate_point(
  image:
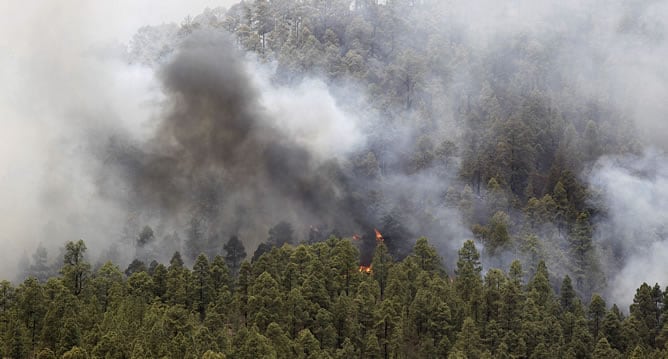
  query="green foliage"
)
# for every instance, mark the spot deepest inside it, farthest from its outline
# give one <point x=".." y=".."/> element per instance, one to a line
<point x="75" y="353"/>
<point x="604" y="351"/>
<point x="75" y="269"/>
<point x="235" y="253"/>
<point x="327" y="310"/>
<point x="468" y="340"/>
<point x="646" y="310"/>
<point x="210" y="354"/>
<point x="426" y="256"/>
<point x="568" y="296"/>
<point x="469" y="279"/>
<point x="202" y="288"/>
<point x="596" y="311"/>
<point x="281" y="234"/>
<point x="134" y="267"/>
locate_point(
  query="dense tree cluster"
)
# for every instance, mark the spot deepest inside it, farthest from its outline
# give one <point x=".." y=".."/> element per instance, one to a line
<point x="312" y="301"/>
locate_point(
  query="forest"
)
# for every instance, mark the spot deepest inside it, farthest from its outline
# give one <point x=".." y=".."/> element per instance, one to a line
<point x="316" y="301"/>
<point x="374" y="179"/>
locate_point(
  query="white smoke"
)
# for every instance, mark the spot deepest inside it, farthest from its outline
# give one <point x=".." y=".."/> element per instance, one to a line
<point x="62" y="73"/>
<point x="311" y="115"/>
<point x="634" y="194"/>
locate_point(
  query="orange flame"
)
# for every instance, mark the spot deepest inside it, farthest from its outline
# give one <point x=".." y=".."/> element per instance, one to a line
<point x="356" y="237"/>
<point x="365" y="269"/>
<point x="379" y="237"/>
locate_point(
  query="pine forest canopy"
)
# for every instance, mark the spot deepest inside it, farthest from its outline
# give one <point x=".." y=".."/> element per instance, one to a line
<point x="312" y="301"/>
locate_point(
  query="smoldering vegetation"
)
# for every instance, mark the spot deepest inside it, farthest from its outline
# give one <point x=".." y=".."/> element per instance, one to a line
<point x="447" y="119"/>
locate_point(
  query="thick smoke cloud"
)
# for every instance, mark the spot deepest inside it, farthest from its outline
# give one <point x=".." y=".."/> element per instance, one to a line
<point x="235" y="152"/>
<point x="633" y="233"/>
<point x="238" y="154"/>
<point x="63" y="80"/>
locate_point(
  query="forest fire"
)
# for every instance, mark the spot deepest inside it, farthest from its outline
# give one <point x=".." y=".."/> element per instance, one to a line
<point x="356" y="237"/>
<point x="379" y="237"/>
<point x="366" y="269"/>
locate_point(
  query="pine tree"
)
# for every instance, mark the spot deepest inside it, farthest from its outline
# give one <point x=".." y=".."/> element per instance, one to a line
<point x="75" y="269"/>
<point x="177" y="281"/>
<point x="32" y="308"/>
<point x="75" y="353"/>
<point x="346" y="259"/>
<point x="371" y="347"/>
<point x="243" y="290"/>
<point x="498" y="237"/>
<point x="381" y="264"/>
<point x="540" y="290"/>
<point x="255" y="345"/>
<point x="426" y="255"/>
<point x="264" y="302"/>
<point x="160" y="281"/>
<point x="585" y="262"/>
<point x="604" y="351"/>
<point x="495" y="280"/>
<point x="567" y="296"/>
<point x="563" y="210"/>
<point x="235" y="253"/>
<point x="210" y="354"/>
<point x="597" y="309"/>
<point x="281" y="234"/>
<point x="307" y="346"/>
<point x="135" y="266"/>
<point x="512" y="299"/>
<point x="279" y="341"/>
<point x="646" y="311"/>
<point x="468" y="340"/>
<point x="202" y="286"/>
<point x="611" y="328"/>
<point x="469" y="280"/>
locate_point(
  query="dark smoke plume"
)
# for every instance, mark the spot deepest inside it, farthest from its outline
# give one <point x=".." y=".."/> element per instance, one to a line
<point x="216" y="156"/>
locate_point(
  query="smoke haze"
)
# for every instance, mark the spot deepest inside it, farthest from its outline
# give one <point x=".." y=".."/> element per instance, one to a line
<point x="62" y="76"/>
<point x="634" y="195"/>
<point x="236" y="152"/>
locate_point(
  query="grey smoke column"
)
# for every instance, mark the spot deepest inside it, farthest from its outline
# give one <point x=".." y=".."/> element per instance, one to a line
<point x="215" y="153"/>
